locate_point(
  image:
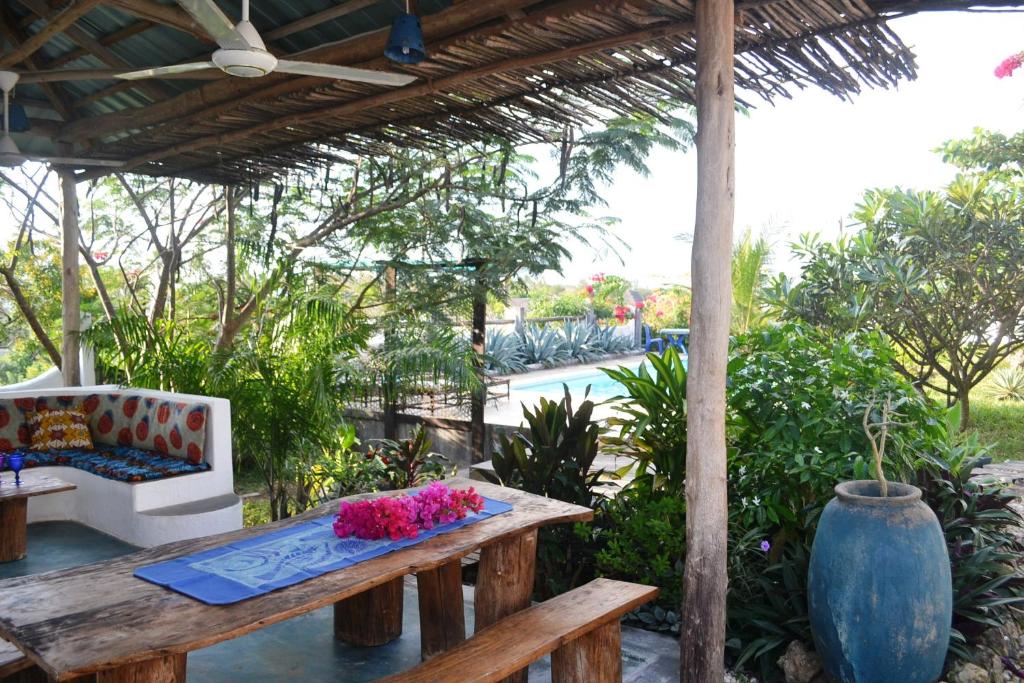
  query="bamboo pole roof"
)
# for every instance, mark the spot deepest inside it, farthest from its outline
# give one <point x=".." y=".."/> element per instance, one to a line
<point x="517" y="69"/>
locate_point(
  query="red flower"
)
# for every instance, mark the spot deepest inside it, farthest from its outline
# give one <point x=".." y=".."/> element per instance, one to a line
<point x="24" y="435"/>
<point x="175" y="437"/>
<point x="639" y="305"/>
<point x="590" y="290"/>
<point x="160" y="443"/>
<point x="130" y="406"/>
<point x="6" y="446"/>
<point x="5" y="417"/>
<point x="1009" y="65"/>
<point x="163" y="413"/>
<point x="124" y="437"/>
<point x="91" y="403"/>
<point x="195" y="456"/>
<point x="25" y="404"/>
<point x="195" y="419"/>
<point x="106" y="422"/>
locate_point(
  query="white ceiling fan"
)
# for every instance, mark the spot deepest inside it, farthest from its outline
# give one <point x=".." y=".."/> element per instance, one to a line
<point x="11" y="156"/>
<point x="243" y="53"/>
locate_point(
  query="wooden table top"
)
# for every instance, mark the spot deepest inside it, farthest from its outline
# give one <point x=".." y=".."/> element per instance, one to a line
<point x="81" y="620"/>
<point x="32" y="484"/>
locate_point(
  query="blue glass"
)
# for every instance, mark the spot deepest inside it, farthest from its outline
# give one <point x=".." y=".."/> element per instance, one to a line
<point x="16" y="462"/>
<point x="1" y="462"/>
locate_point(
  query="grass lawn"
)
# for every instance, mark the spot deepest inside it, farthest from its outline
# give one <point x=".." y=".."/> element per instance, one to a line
<point x="999" y="424"/>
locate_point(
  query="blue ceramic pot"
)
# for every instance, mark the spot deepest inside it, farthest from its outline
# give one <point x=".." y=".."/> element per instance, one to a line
<point x="880" y="594"/>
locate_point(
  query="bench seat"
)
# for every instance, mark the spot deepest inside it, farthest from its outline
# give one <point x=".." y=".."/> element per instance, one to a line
<point x="12" y="660"/>
<point x="120" y="463"/>
<point x="580" y="627"/>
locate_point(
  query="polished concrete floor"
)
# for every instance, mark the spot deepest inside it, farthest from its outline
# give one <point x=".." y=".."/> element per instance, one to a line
<point x="304" y="648"/>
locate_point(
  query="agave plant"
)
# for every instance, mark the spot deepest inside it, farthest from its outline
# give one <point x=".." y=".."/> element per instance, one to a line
<point x="578" y="339"/>
<point x="505" y="352"/>
<point x="545" y="345"/>
<point x="1008" y="384"/>
<point x="605" y="339"/>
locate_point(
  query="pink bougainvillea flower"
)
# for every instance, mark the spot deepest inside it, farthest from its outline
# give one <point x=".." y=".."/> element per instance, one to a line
<point x="639" y="305"/>
<point x="404" y="516"/>
<point x="1009" y="65"/>
<point x="590" y="291"/>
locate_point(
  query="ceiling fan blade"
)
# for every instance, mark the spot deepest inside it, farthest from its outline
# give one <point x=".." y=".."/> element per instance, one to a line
<point x="75" y="161"/>
<point x="344" y="73"/>
<point x="166" y="71"/>
<point x="216" y="23"/>
<point x="62" y="75"/>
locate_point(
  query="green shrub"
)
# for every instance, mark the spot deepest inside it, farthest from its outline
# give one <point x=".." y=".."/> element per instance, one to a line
<point x="553" y="457"/>
<point x="651" y="422"/>
<point x="410" y="462"/>
<point x="642" y="540"/>
<point x="545" y="345"/>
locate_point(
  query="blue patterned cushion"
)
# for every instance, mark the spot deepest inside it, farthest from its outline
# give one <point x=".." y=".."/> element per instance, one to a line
<point x="122" y="463"/>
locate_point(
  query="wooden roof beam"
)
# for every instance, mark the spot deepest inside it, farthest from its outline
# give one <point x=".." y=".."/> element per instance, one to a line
<point x="317" y="19"/>
<point x="165" y="15"/>
<point x="85" y="40"/>
<point x="106" y="41"/>
<point x="359" y="49"/>
<point x="412" y="91"/>
<point x="15" y="36"/>
<point x="55" y="23"/>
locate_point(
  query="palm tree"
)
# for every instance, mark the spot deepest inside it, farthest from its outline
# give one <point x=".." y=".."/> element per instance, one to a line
<point x="750" y="259"/>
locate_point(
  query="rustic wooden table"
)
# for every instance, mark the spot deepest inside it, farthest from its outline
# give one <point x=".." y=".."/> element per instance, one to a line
<point x="100" y="618"/>
<point x="14" y="509"/>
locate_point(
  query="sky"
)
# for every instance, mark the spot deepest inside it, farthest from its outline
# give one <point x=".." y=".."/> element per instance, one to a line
<point x="803" y="164"/>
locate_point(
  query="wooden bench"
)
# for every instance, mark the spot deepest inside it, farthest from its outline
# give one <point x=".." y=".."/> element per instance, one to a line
<point x="12" y="662"/>
<point x="581" y="628"/>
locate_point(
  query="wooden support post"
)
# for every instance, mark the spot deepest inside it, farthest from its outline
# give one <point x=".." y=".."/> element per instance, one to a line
<point x="442" y="616"/>
<point x="505" y="583"/>
<point x="702" y="637"/>
<point x="478" y="400"/>
<point x="593" y="658"/>
<point x="71" y="296"/>
<point x="371" y="618"/>
<point x="169" y="669"/>
<point x="13" y="529"/>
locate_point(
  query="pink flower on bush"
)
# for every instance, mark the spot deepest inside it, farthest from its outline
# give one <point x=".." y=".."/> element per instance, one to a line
<point x="1009" y="65"/>
<point x="639" y="305"/>
<point x="403" y="516"/>
<point x="590" y="291"/>
<point x="620" y="313"/>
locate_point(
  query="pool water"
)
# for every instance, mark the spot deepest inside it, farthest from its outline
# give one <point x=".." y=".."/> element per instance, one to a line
<point x="602" y="387"/>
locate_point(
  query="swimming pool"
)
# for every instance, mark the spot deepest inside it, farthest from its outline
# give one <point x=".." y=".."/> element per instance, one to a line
<point x="602" y="387"/>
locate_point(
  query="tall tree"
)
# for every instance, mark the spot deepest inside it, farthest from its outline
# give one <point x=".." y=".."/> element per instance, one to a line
<point x="938" y="272"/>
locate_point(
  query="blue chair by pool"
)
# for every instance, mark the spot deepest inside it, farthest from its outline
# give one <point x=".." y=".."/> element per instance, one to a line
<point x="651" y="342"/>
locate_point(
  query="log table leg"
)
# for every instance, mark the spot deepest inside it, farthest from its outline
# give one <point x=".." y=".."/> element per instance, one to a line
<point x="442" y="617"/>
<point x="593" y="658"/>
<point x="169" y="669"/>
<point x="371" y="618"/>
<point x="13" y="529"/>
<point x="505" y="583"/>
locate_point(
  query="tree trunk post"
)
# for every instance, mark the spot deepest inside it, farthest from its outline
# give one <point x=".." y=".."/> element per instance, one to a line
<point x="71" y="295"/>
<point x="702" y="638"/>
<point x="478" y="400"/>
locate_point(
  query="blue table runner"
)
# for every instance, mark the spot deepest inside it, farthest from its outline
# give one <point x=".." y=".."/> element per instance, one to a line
<point x="244" y="569"/>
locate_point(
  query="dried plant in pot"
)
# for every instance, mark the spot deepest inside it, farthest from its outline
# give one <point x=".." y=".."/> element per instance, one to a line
<point x="880" y="594"/>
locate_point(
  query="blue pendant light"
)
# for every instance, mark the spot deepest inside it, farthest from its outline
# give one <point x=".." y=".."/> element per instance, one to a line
<point x="19" y="119"/>
<point x="405" y="44"/>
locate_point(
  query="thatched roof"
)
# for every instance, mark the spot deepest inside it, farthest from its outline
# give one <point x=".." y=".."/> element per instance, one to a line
<point x="512" y="68"/>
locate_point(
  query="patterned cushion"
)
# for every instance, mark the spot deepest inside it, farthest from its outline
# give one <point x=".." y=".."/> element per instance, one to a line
<point x="122" y="463"/>
<point x="59" y="429"/>
<point x="118" y="419"/>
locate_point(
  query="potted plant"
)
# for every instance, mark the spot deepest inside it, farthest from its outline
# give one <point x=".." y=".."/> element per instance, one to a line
<point x="880" y="593"/>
